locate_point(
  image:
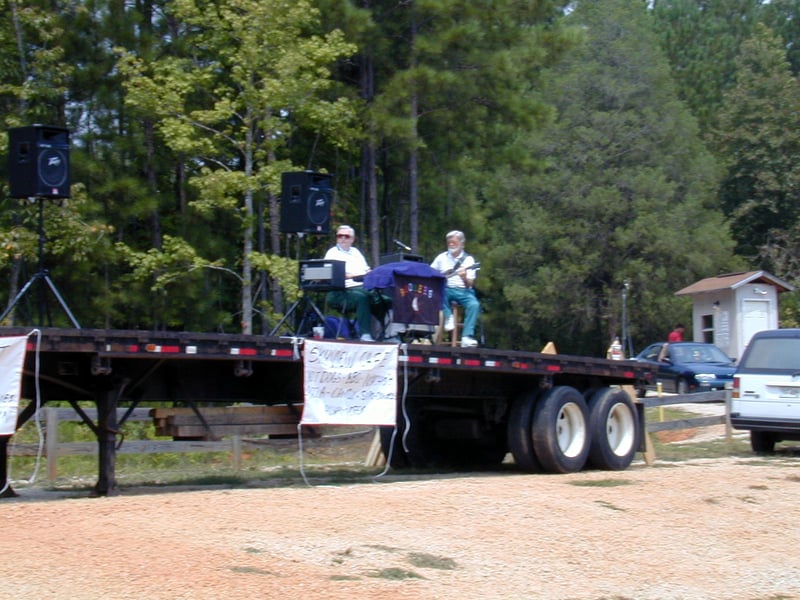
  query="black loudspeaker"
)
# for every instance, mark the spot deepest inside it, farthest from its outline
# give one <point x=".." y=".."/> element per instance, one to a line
<point x="306" y="199"/>
<point x="38" y="162"/>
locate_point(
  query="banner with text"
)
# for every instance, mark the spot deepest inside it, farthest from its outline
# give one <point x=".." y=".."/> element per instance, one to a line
<point x="349" y="384"/>
<point x="12" y="361"/>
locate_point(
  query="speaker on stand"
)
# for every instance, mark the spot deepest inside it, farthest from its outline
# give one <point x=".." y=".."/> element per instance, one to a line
<point x="38" y="169"/>
<point x="305" y="208"/>
<point x="306" y="199"/>
<point x="38" y="162"/>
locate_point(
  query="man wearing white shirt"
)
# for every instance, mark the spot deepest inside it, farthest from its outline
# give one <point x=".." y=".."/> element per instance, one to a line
<point x="354" y="294"/>
<point x="459" y="268"/>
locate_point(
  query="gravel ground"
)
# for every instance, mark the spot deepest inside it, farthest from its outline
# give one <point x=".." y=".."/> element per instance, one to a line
<point x="717" y="529"/>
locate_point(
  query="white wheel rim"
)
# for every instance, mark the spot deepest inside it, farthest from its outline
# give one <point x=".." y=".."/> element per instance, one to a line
<point x="620" y="429"/>
<point x="571" y="430"/>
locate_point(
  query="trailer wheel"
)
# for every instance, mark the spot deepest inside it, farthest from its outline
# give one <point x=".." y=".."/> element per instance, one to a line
<point x="520" y="433"/>
<point x="613" y="429"/>
<point x="560" y="430"/>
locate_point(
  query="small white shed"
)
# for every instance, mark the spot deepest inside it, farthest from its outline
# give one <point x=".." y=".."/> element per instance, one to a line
<point x="728" y="309"/>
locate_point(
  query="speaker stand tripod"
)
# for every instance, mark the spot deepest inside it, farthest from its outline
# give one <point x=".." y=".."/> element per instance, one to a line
<point x="306" y="319"/>
<point x="43" y="277"/>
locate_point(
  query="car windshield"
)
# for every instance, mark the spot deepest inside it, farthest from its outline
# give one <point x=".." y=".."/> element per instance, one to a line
<point x="700" y="353"/>
<point x="773" y="353"/>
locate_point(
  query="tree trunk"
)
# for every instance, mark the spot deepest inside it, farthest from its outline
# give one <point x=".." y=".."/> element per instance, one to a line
<point x="413" y="168"/>
<point x="247" y="243"/>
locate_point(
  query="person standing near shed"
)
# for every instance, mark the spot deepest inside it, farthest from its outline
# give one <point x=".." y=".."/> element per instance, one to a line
<point x="676" y="335"/>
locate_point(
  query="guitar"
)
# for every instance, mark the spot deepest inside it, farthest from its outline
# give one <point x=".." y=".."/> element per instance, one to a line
<point x="473" y="267"/>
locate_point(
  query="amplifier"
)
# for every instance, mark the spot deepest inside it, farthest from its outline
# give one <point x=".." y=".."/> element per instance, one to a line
<point x="399" y="257"/>
<point x="322" y="275"/>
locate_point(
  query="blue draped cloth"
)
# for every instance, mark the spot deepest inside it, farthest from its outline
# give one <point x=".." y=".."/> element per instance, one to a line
<point x="417" y="290"/>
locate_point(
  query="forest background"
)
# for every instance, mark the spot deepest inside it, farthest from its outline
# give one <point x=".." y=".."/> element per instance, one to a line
<point x="599" y="155"/>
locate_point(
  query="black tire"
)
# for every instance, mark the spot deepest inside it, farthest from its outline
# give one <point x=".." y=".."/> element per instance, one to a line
<point x="520" y="434"/>
<point x="561" y="430"/>
<point x="762" y="442"/>
<point x="613" y="428"/>
<point x="681" y="386"/>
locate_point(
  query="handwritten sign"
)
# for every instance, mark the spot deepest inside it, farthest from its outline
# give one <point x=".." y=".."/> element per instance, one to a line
<point x="349" y="384"/>
<point x="12" y="360"/>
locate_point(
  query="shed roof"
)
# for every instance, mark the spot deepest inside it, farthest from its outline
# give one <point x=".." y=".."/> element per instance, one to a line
<point x="731" y="281"/>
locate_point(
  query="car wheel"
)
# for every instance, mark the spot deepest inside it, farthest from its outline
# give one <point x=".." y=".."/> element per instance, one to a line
<point x="681" y="387"/>
<point x="762" y="442"/>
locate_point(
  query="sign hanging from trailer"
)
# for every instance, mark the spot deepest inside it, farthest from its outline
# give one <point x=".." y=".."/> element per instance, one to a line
<point x="349" y="384"/>
<point x="12" y="360"/>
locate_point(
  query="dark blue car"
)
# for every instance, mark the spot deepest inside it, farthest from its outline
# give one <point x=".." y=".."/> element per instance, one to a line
<point x="685" y="367"/>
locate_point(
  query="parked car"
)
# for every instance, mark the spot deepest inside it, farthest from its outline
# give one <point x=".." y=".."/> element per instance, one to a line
<point x="766" y="389"/>
<point x="685" y="367"/>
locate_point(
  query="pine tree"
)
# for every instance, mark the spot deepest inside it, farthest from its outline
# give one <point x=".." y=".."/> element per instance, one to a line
<point x="626" y="198"/>
<point x="253" y="73"/>
<point x="759" y="140"/>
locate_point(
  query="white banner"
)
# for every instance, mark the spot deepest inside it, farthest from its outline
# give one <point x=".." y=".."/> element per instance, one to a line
<point x="349" y="384"/>
<point x="12" y="361"/>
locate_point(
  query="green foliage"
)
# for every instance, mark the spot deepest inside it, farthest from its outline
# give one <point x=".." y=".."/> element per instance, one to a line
<point x="701" y="41"/>
<point x="783" y="17"/>
<point x="276" y="79"/>
<point x="759" y="139"/>
<point x="627" y="195"/>
<point x="432" y="115"/>
<point x="174" y="286"/>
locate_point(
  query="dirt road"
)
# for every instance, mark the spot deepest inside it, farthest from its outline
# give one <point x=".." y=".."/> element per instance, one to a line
<point x="717" y="529"/>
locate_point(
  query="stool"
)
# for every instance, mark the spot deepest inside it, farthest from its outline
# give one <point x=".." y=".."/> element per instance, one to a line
<point x="458" y="321"/>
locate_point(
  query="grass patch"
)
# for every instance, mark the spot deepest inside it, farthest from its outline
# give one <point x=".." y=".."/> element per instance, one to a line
<point x="429" y="561"/>
<point x="394" y="573"/>
<point x="602" y="483"/>
<point x="333" y="458"/>
<point x="252" y="570"/>
<point x="608" y="505"/>
<point x="383" y="548"/>
<point x="688" y="449"/>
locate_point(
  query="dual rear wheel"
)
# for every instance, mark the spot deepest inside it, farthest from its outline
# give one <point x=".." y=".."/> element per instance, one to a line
<point x="559" y="431"/>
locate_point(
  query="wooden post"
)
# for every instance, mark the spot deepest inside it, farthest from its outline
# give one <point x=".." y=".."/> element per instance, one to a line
<point x="51" y="442"/>
<point x="728" y="426"/>
<point x="236" y="442"/>
<point x="375" y="453"/>
<point x="649" y="451"/>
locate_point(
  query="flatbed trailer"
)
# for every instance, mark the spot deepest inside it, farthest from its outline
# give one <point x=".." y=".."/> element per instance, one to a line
<point x="459" y="407"/>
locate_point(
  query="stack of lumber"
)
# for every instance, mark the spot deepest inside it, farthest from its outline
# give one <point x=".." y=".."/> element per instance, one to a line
<point x="184" y="423"/>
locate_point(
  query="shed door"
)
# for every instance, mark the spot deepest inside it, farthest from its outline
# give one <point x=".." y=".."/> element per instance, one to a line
<point x="755" y="315"/>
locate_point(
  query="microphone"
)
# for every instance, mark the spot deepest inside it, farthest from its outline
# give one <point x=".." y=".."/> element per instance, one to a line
<point x="402" y="245"/>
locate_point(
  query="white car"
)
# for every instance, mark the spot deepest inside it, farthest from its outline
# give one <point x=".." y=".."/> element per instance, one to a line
<point x="766" y="389"/>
